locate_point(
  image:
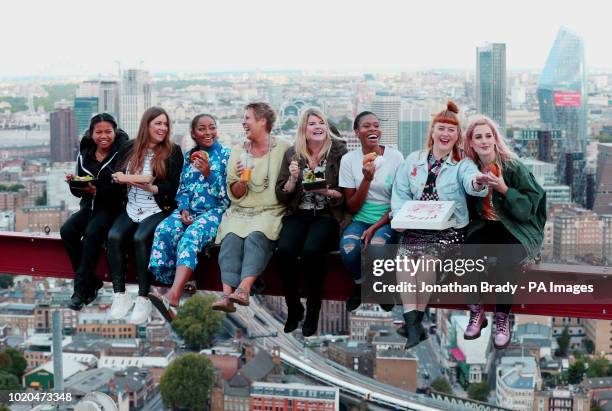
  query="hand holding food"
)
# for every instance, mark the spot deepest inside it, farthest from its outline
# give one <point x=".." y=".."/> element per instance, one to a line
<point x="199" y="159"/>
<point x="200" y="154"/>
<point x="369" y="158"/>
<point x="294" y="169"/>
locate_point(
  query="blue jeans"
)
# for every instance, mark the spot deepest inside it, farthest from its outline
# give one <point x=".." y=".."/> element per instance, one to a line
<point x="350" y="245"/>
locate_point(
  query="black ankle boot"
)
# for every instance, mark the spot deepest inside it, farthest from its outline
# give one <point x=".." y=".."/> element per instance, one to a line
<point x="354" y="301"/>
<point x="387" y="307"/>
<point x="76" y="302"/>
<point x="413" y="329"/>
<point x="311" y="322"/>
<point x="92" y="292"/>
<point x="295" y="314"/>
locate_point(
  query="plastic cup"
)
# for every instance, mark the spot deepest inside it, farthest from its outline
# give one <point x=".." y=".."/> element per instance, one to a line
<point x="245" y="176"/>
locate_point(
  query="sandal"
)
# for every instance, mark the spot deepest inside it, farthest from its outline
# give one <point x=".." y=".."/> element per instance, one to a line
<point x="163" y="306"/>
<point x="239" y="297"/>
<point x="190" y="288"/>
<point x="224" y="304"/>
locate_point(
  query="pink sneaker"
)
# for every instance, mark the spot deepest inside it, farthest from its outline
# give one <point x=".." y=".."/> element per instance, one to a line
<point x="502" y="330"/>
<point x="478" y="321"/>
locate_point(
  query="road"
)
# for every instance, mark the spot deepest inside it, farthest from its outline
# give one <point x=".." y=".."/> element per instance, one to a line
<point x="294" y="348"/>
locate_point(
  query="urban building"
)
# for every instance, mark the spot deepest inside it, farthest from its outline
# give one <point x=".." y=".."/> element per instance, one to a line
<point x="578" y="235"/>
<point x="600" y="333"/>
<point x="84" y="110"/>
<point x="135" y="99"/>
<point x="517" y="379"/>
<point x="39" y="219"/>
<point x="413" y="128"/>
<point x="562" y="97"/>
<point x="387" y="109"/>
<point x="366" y="316"/>
<point x="575" y="328"/>
<point x="354" y="355"/>
<point x="469" y="360"/>
<point x="43" y="321"/>
<point x="64" y="138"/>
<point x="19" y="317"/>
<point x="398" y="368"/>
<point x="603" y="187"/>
<point x="491" y="82"/>
<point x="574" y="399"/>
<point x="285" y="397"/>
<point x="58" y="191"/>
<point x="42" y="377"/>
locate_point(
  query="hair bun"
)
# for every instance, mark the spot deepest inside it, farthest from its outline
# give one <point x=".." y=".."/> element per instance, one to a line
<point x="451" y="106"/>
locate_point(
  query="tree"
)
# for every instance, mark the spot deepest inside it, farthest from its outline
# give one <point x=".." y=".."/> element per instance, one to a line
<point x="197" y="323"/>
<point x="563" y="340"/>
<point x="289" y="125"/>
<point x="18" y="362"/>
<point x="6" y="280"/>
<point x="9" y="382"/>
<point x="345" y="124"/>
<point x="187" y="382"/>
<point x="442" y="385"/>
<point x="478" y="391"/>
<point x="589" y="346"/>
<point x="597" y="367"/>
<point x="596" y="407"/>
<point x="576" y="372"/>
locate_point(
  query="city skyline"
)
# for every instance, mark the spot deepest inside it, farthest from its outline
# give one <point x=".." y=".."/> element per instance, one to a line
<point x="335" y="36"/>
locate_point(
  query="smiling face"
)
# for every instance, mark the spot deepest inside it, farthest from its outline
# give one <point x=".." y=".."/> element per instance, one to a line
<point x="252" y="126"/>
<point x="483" y="141"/>
<point x="158" y="129"/>
<point x="205" y="132"/>
<point x="316" y="129"/>
<point x="369" y="132"/>
<point x="444" y="137"/>
<point x="103" y="135"/>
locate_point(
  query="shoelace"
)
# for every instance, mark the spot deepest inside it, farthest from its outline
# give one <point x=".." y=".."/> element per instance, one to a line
<point x="501" y="325"/>
<point x="474" y="316"/>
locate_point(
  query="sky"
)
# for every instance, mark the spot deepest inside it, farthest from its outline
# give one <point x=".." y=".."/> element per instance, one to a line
<point x="71" y="37"/>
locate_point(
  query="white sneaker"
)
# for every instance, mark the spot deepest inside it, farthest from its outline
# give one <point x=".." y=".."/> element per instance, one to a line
<point x="142" y="310"/>
<point x="122" y="302"/>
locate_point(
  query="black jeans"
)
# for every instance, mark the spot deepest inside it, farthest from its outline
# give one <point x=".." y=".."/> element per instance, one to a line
<point x="494" y="232"/>
<point x="308" y="237"/>
<point x="123" y="230"/>
<point x="83" y="235"/>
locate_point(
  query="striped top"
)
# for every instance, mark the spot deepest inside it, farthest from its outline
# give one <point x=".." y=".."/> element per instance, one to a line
<point x="141" y="203"/>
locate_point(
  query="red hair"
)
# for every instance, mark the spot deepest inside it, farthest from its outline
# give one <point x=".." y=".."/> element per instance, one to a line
<point x="448" y="116"/>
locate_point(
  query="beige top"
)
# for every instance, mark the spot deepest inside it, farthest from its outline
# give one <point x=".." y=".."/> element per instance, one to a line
<point x="258" y="209"/>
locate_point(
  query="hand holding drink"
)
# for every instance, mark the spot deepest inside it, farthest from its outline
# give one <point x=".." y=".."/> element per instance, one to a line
<point x="244" y="167"/>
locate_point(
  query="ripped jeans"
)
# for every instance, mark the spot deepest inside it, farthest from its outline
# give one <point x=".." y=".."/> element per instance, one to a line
<point x="350" y="245"/>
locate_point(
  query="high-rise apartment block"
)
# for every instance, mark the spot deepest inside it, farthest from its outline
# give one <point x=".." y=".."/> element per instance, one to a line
<point x="491" y="82"/>
<point x="603" y="180"/>
<point x="64" y="138"/>
<point x="413" y="128"/>
<point x="387" y="108"/>
<point x="135" y="99"/>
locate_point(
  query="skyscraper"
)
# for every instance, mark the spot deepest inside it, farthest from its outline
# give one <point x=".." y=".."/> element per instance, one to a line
<point x="413" y="128"/>
<point x="491" y="82"/>
<point x="387" y="108"/>
<point x="84" y="109"/>
<point x="562" y="97"/>
<point x="603" y="180"/>
<point x="64" y="138"/>
<point x="135" y="99"/>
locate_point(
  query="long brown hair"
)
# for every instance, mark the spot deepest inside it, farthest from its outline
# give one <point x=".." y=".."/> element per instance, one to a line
<point x="161" y="152"/>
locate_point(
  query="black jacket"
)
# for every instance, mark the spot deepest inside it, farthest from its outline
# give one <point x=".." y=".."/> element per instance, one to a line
<point x="108" y="194"/>
<point x="165" y="198"/>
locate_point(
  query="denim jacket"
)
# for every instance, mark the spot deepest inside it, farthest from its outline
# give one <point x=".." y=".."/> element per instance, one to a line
<point x="452" y="184"/>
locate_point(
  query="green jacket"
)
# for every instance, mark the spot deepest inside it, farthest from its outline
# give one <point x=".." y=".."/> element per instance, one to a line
<point x="522" y="210"/>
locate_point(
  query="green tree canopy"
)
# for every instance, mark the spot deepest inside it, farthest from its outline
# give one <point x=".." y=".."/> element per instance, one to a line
<point x="289" y="125"/>
<point x="187" y="382"/>
<point x="576" y="372"/>
<point x="18" y="362"/>
<point x="478" y="391"/>
<point x="197" y="323"/>
<point x="442" y="385"/>
<point x="9" y="382"/>
<point x="589" y="346"/>
<point x="345" y="124"/>
<point x="563" y="340"/>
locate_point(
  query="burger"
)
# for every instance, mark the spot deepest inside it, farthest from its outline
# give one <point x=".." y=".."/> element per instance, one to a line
<point x="368" y="158"/>
<point x="198" y="155"/>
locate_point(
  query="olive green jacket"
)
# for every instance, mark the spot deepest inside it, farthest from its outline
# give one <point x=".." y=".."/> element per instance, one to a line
<point x="522" y="210"/>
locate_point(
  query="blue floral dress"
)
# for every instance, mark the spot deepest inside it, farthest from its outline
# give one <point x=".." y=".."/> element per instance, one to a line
<point x="176" y="244"/>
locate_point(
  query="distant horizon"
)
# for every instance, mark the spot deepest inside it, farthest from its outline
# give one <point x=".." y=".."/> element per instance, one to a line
<point x="65" y="38"/>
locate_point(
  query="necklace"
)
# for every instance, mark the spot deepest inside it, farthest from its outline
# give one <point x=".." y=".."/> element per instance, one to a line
<point x="259" y="188"/>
